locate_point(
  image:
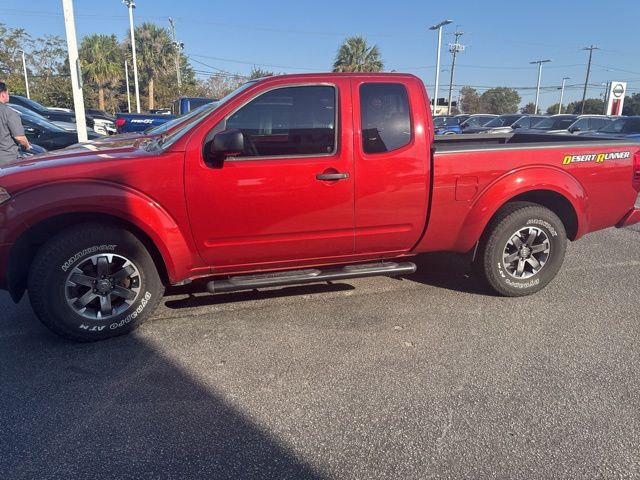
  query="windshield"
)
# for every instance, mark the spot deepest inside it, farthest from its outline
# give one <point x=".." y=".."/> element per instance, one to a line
<point x="25" y="111"/>
<point x="623" y="125"/>
<point x="165" y="127"/>
<point x="33" y="105"/>
<point x="502" y="121"/>
<point x="167" y="140"/>
<point x="42" y="123"/>
<point x="445" y="121"/>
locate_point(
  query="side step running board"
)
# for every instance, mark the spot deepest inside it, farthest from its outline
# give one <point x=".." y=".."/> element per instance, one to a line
<point x="312" y="275"/>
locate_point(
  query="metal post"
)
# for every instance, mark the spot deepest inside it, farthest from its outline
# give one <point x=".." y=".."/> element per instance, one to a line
<point x="435" y="90"/>
<point x="586" y="80"/>
<point x="454" y="49"/>
<point x="539" y="62"/>
<point x="562" y="94"/>
<point x="74" y="67"/>
<point x="126" y="77"/>
<point x="131" y="4"/>
<point x="24" y="68"/>
<point x="177" y="45"/>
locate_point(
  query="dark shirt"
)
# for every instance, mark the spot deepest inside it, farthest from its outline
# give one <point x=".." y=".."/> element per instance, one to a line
<point x="10" y="127"/>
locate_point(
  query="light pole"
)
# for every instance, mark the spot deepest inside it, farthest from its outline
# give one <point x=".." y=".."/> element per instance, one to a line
<point x="562" y="93"/>
<point x="179" y="46"/>
<point x="454" y="48"/>
<point x="24" y="68"/>
<point x="131" y="4"/>
<point x="438" y="27"/>
<point x="539" y="62"/>
<point x="586" y="80"/>
<point x="126" y="77"/>
<point x="74" y="67"/>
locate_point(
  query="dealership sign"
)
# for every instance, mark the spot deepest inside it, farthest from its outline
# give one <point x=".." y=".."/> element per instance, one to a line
<point x="616" y="95"/>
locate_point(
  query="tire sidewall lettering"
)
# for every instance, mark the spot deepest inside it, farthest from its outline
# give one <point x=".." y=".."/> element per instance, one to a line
<point x="83" y="253"/>
<point x="133" y="315"/>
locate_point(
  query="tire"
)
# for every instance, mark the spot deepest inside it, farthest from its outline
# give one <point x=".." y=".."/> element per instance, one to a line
<point x="522" y="249"/>
<point x="87" y="271"/>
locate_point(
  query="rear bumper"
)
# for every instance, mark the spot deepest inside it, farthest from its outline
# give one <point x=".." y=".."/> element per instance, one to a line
<point x="632" y="217"/>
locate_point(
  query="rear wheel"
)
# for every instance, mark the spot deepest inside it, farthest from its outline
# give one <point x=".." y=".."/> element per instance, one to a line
<point x="92" y="282"/>
<point x="521" y="250"/>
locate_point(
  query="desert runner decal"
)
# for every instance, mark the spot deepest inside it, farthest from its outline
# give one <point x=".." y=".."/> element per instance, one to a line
<point x="595" y="157"/>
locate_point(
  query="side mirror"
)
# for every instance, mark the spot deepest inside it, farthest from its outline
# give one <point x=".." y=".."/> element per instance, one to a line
<point x="574" y="129"/>
<point x="227" y="143"/>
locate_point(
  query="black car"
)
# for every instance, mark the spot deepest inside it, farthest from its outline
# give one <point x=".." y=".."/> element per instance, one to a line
<point x="53" y="115"/>
<point x="49" y="135"/>
<point x="501" y="122"/>
<point x="554" y="122"/>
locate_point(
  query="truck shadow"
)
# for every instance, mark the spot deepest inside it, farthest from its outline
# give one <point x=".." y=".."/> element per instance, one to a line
<point x="120" y="409"/>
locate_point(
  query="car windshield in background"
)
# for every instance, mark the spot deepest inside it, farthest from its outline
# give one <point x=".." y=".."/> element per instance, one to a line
<point x="445" y="121"/>
<point x="502" y="121"/>
<point x="165" y="127"/>
<point x="623" y="125"/>
<point x="25" y="111"/>
<point x="33" y="105"/>
<point x="43" y="123"/>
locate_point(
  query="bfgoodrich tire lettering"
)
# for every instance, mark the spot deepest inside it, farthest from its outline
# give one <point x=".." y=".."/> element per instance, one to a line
<point x="92" y="282"/>
<point x="521" y="250"/>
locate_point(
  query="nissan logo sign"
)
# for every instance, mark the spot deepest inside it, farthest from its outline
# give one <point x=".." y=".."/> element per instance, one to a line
<point x="618" y="91"/>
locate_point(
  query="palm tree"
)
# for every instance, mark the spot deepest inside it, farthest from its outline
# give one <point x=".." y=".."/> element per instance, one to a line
<point x="100" y="60"/>
<point x="354" y="55"/>
<point x="155" y="50"/>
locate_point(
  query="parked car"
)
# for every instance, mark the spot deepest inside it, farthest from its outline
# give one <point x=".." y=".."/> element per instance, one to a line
<point x="622" y="127"/>
<point x="96" y="232"/>
<point x="551" y="124"/>
<point x="138" y="122"/>
<point x="585" y="124"/>
<point x="462" y="117"/>
<point x="71" y="127"/>
<point x="477" y="120"/>
<point x="49" y="135"/>
<point x="52" y="115"/>
<point x="446" y="125"/>
<point x="104" y="123"/>
<point x="496" y="125"/>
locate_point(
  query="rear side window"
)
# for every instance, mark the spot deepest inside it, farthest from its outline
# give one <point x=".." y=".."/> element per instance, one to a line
<point x="384" y="116"/>
<point x="288" y="121"/>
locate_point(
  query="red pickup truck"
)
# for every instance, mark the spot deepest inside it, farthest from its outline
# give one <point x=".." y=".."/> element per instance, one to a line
<point x="296" y="179"/>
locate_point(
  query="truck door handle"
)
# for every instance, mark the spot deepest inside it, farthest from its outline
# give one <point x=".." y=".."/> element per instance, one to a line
<point x="332" y="176"/>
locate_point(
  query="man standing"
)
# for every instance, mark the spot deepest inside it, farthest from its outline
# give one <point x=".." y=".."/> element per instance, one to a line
<point x="11" y="130"/>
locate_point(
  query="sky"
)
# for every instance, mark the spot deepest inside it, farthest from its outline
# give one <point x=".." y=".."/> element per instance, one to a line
<point x="500" y="37"/>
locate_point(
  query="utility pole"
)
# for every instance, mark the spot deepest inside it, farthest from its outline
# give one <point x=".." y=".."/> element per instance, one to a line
<point x="454" y="48"/>
<point x="562" y="94"/>
<point x="126" y="77"/>
<point x="438" y="27"/>
<point x="539" y="62"/>
<point x="586" y="81"/>
<point x="74" y="67"/>
<point x="24" y="68"/>
<point x="179" y="47"/>
<point x="131" y="4"/>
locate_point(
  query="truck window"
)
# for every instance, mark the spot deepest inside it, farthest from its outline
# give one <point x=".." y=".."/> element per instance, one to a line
<point x="288" y="121"/>
<point x="385" y="117"/>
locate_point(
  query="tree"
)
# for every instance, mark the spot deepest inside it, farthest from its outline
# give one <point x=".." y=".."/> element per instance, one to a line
<point x="355" y="55"/>
<point x="155" y="51"/>
<point x="500" y="100"/>
<point x="631" y="105"/>
<point x="470" y="101"/>
<point x="530" y="108"/>
<point x="257" y="72"/>
<point x="100" y="57"/>
<point x="591" y="106"/>
<point x="553" y="109"/>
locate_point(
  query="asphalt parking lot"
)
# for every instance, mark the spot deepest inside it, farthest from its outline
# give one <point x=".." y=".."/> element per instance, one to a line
<point x="424" y="377"/>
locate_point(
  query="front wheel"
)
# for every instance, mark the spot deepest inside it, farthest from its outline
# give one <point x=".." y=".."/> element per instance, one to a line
<point x="521" y="250"/>
<point x="93" y="282"/>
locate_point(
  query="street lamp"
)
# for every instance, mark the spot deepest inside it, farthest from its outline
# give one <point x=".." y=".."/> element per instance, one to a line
<point x="131" y="4"/>
<point x="24" y="68"/>
<point x="562" y="93"/>
<point x="539" y="62"/>
<point x="438" y="27"/>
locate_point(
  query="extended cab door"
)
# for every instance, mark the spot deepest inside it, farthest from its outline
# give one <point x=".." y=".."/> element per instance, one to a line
<point x="392" y="148"/>
<point x="289" y="196"/>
